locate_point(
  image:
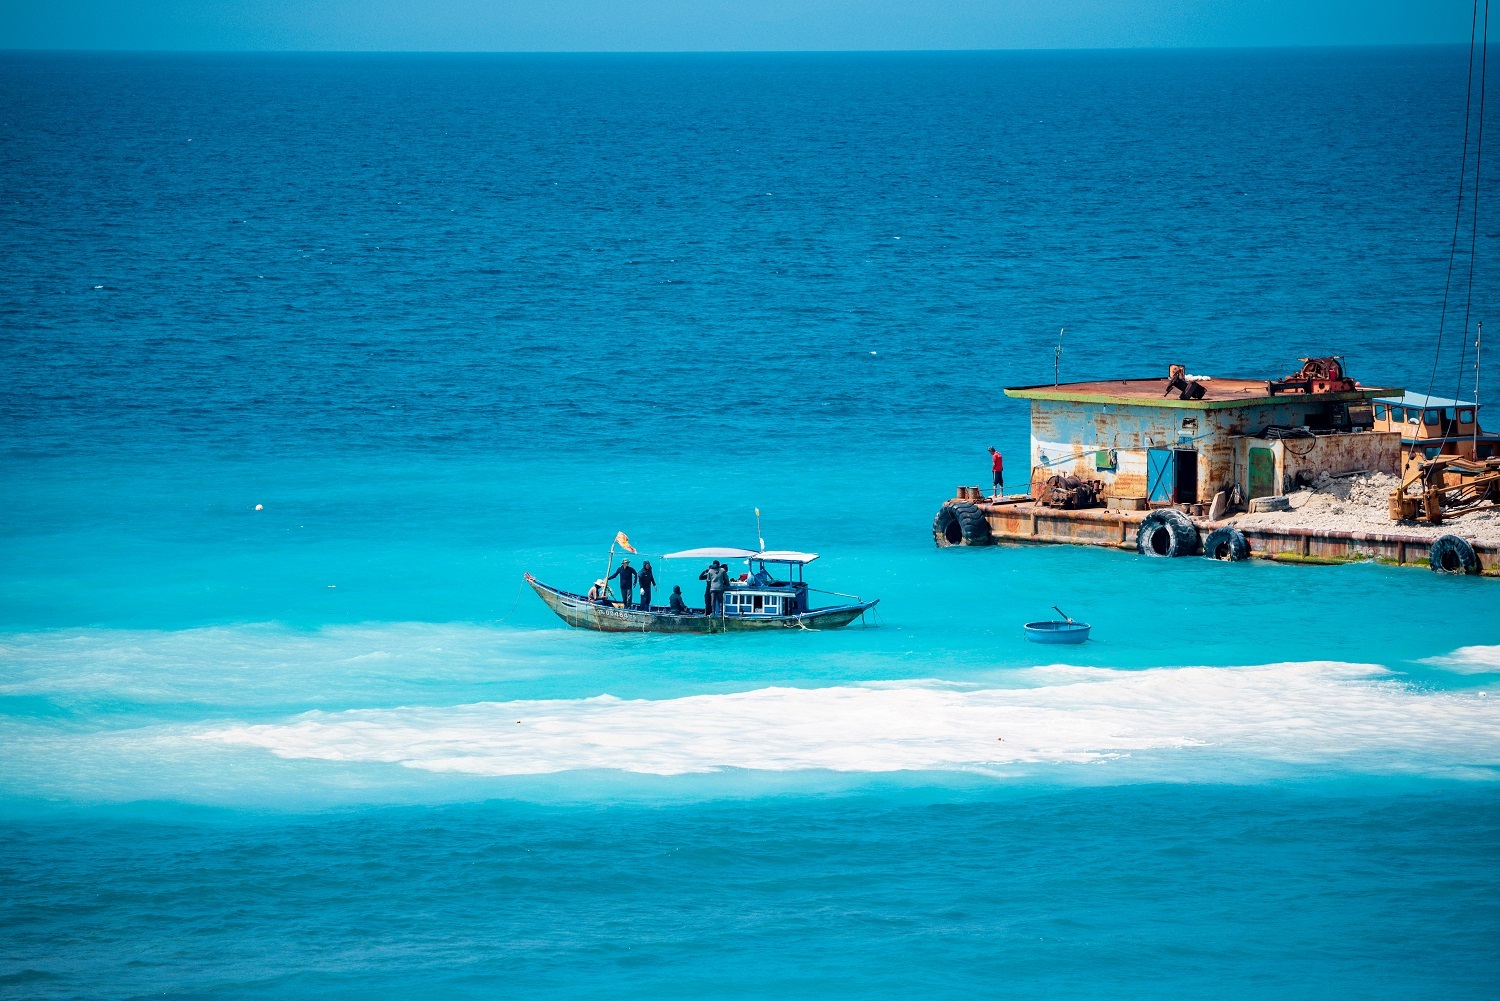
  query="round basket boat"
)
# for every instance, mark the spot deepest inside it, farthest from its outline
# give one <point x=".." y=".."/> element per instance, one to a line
<point x="1057" y="632"/>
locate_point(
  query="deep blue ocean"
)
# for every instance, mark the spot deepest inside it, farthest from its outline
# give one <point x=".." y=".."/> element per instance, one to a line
<point x="448" y="319"/>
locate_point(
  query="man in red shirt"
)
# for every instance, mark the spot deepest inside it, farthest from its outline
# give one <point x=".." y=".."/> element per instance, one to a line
<point x="997" y="468"/>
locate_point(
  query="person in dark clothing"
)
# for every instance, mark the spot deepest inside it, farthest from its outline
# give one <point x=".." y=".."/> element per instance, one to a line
<point x="627" y="576"/>
<point x="718" y="584"/>
<point x="675" y="604"/>
<point x="711" y="575"/>
<point x="646" y="579"/>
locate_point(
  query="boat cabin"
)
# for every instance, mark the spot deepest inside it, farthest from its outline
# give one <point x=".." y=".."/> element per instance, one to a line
<point x="760" y="591"/>
<point x="1433" y="425"/>
<point x="760" y="602"/>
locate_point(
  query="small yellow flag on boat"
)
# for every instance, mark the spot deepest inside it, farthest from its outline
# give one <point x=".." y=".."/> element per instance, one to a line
<point x="624" y="542"/>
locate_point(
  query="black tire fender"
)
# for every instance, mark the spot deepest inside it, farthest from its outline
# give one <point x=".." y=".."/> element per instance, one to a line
<point x="1167" y="533"/>
<point x="1451" y="554"/>
<point x="1226" y="543"/>
<point x="959" y="523"/>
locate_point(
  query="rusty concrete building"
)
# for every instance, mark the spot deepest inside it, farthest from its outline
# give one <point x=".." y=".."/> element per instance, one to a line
<point x="1145" y="440"/>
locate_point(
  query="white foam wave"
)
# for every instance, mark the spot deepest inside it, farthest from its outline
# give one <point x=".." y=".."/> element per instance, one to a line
<point x="1342" y="716"/>
<point x="271" y="664"/>
<point x="1469" y="660"/>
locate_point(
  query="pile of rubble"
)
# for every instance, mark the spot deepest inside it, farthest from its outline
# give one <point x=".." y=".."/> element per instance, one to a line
<point x="1362" y="504"/>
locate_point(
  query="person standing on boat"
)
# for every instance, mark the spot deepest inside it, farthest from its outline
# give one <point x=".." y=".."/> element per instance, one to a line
<point x="713" y="591"/>
<point x="646" y="578"/>
<point x="997" y="470"/>
<point x="627" y="576"/>
<point x="720" y="585"/>
<point x="675" y="604"/>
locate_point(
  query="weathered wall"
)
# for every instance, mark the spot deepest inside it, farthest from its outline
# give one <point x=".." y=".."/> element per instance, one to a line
<point x="1346" y="453"/>
<point x="1065" y="437"/>
<point x="1374" y="451"/>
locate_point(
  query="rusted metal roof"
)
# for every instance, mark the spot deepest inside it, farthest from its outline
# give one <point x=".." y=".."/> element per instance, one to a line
<point x="1218" y="393"/>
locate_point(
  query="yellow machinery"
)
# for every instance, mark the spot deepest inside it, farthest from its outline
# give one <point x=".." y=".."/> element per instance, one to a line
<point x="1447" y="485"/>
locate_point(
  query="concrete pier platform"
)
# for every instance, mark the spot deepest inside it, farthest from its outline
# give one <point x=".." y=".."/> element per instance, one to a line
<point x="1021" y="520"/>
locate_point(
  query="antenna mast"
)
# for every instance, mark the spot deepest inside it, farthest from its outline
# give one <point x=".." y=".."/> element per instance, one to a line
<point x="1057" y="356"/>
<point x="1478" y="339"/>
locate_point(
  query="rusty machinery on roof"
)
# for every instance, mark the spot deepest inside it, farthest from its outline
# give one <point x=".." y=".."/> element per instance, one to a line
<point x="1189" y="389"/>
<point x="1317" y="375"/>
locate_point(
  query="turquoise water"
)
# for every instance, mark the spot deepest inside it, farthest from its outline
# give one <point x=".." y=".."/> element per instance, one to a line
<point x="452" y="319"/>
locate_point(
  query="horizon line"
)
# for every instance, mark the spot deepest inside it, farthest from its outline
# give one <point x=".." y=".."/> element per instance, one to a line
<point x="725" y="52"/>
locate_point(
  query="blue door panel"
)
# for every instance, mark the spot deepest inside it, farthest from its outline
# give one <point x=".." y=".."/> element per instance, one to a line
<point x="1161" y="475"/>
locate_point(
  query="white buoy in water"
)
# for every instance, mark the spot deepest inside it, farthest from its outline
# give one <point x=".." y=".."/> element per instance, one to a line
<point x="259" y="507"/>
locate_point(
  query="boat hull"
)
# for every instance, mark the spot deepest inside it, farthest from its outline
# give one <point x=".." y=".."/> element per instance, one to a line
<point x="581" y="613"/>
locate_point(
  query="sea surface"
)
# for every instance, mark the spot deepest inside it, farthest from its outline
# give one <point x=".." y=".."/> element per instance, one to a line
<point x="307" y="358"/>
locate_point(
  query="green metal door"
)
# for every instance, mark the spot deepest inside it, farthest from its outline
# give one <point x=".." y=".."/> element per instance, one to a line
<point x="1262" y="472"/>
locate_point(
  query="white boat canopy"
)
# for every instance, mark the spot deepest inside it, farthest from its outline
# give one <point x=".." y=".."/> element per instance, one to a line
<point x="711" y="553"/>
<point x="784" y="556"/>
<point x="725" y="553"/>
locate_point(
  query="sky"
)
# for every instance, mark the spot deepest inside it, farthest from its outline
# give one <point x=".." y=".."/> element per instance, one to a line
<point x="720" y="25"/>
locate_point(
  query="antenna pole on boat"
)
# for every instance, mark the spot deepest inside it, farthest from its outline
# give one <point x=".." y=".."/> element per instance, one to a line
<point x="1458" y="210"/>
<point x="1057" y="356"/>
<point x="1478" y="340"/>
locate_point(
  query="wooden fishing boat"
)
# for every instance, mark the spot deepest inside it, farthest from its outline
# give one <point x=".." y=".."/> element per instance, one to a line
<point x="752" y="603"/>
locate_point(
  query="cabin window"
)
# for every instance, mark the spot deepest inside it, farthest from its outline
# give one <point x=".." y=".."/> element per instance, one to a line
<point x="1431" y="452"/>
<point x="772" y="601"/>
<point x="760" y="601"/>
<point x="1448" y="413"/>
<point x="1433" y="417"/>
<point x="1466" y="416"/>
<point x="1398" y="415"/>
<point x="1380" y="411"/>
